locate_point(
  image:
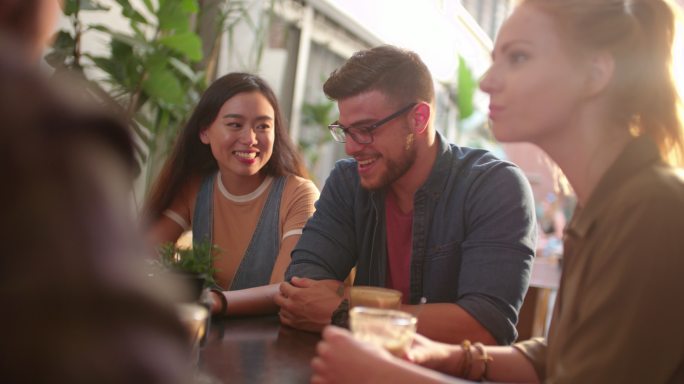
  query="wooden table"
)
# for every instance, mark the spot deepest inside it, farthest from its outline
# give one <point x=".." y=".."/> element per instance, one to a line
<point x="257" y="350"/>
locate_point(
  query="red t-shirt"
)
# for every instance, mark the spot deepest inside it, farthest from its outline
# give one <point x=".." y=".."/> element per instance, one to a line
<point x="399" y="245"/>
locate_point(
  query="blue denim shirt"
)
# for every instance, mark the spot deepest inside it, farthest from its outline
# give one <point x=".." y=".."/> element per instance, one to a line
<point x="473" y="236"/>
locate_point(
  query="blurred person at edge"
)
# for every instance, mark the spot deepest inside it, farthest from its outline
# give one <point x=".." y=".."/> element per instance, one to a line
<point x="589" y="82"/>
<point x="73" y="311"/>
<point x="412" y="212"/>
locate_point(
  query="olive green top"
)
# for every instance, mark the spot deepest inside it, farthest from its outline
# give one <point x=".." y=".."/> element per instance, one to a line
<point x="619" y="314"/>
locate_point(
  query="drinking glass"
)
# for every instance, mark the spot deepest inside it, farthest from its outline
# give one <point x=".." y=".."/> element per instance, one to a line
<point x="194" y="318"/>
<point x="391" y="329"/>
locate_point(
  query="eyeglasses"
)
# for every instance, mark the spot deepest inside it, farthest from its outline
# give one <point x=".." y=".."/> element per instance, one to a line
<point x="363" y="134"/>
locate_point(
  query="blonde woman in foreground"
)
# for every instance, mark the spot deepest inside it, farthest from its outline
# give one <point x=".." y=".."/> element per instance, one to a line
<point x="589" y="82"/>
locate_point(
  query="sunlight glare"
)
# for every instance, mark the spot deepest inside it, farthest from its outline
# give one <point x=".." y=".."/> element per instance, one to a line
<point x="678" y="52"/>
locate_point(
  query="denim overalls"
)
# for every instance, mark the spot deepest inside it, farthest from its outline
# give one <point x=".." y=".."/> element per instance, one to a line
<point x="259" y="258"/>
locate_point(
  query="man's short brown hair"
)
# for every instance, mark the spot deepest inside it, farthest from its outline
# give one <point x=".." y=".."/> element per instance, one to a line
<point x="398" y="73"/>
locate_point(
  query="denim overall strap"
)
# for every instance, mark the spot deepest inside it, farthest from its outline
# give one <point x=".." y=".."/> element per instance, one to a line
<point x="257" y="263"/>
<point x="202" y="219"/>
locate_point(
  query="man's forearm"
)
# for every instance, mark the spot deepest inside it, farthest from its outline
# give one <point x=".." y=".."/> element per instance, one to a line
<point x="449" y="323"/>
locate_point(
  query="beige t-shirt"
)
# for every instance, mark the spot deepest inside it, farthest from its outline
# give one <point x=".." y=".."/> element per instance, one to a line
<point x="236" y="217"/>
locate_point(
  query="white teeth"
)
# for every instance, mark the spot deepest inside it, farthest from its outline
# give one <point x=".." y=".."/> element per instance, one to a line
<point x="365" y="162"/>
<point x="245" y="155"/>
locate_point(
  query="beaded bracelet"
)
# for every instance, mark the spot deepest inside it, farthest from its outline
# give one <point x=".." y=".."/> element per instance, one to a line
<point x="485" y="358"/>
<point x="224" y="302"/>
<point x="467" y="359"/>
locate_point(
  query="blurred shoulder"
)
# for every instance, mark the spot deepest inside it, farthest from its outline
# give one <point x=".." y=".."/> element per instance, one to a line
<point x="659" y="184"/>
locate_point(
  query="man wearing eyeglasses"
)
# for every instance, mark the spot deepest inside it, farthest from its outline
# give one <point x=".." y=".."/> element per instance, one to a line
<point x="412" y="212"/>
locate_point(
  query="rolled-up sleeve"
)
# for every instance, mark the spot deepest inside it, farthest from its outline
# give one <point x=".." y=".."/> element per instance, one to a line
<point x="498" y="249"/>
<point x="535" y="351"/>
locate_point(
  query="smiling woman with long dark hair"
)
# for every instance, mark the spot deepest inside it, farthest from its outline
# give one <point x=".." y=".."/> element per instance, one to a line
<point x="235" y="178"/>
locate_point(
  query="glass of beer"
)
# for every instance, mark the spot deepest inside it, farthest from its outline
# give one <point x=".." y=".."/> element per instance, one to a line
<point x="375" y="297"/>
<point x="391" y="329"/>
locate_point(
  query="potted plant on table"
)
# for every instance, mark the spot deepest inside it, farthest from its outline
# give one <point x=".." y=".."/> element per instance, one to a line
<point x="194" y="265"/>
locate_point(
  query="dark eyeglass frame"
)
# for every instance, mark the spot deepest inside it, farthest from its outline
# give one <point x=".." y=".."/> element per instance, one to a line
<point x="340" y="132"/>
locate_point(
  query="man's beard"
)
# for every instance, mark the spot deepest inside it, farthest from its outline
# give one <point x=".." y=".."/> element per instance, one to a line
<point x="395" y="169"/>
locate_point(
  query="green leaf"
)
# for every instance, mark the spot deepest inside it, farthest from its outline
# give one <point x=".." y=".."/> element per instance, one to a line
<point x="71" y="7"/>
<point x="184" y="69"/>
<point x="133" y="41"/>
<point x="121" y="69"/>
<point x="149" y="5"/>
<point x="187" y="43"/>
<point x="125" y="4"/>
<point x="136" y="41"/>
<point x="161" y="84"/>
<point x="130" y="13"/>
<point x="99" y="27"/>
<point x="172" y="17"/>
<point x="128" y="66"/>
<point x="156" y="61"/>
<point x="108" y="66"/>
<point x="89" y="5"/>
<point x="466" y="89"/>
<point x="63" y="41"/>
<point x="163" y="118"/>
<point x="121" y="50"/>
<point x="190" y="6"/>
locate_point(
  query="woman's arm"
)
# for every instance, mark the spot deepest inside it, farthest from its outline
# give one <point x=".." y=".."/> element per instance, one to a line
<point x="164" y="230"/>
<point x="174" y="219"/>
<point x="249" y="301"/>
<point x="505" y="364"/>
<point x="283" y="259"/>
<point x="258" y="300"/>
<point x="343" y="359"/>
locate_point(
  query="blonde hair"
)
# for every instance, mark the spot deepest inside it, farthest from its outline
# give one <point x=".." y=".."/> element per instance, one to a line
<point x="639" y="34"/>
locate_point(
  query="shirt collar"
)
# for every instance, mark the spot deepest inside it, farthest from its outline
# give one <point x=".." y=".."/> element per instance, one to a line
<point x="243" y="198"/>
<point x="438" y="177"/>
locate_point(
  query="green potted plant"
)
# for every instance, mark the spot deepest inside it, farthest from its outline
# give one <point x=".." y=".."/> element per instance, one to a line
<point x="194" y="265"/>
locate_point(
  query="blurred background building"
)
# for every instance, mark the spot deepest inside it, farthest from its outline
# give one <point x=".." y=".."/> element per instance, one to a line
<point x="294" y="44"/>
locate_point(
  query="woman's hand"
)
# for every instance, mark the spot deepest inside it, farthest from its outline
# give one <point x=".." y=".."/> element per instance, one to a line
<point x="343" y="359"/>
<point x="441" y="357"/>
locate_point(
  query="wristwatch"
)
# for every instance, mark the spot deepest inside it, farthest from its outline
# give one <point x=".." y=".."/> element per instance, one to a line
<point x="340" y="316"/>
